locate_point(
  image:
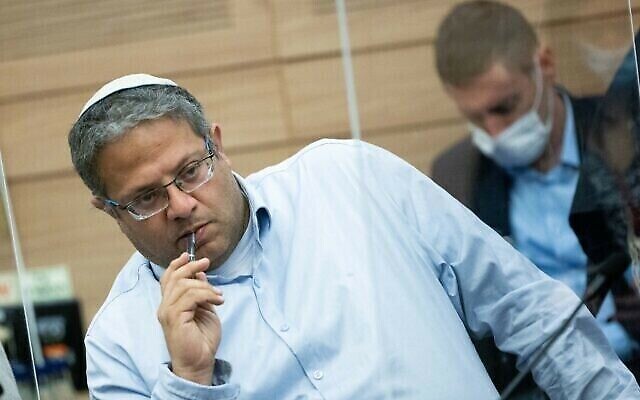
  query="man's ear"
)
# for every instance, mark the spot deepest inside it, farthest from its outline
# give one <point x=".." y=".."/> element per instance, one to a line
<point x="547" y="63"/>
<point x="216" y="136"/>
<point x="100" y="205"/>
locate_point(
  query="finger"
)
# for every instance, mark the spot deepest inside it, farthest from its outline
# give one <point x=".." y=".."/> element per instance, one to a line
<point x="188" y="302"/>
<point x="184" y="307"/>
<point x="185" y="286"/>
<point x="173" y="265"/>
<point x="186" y="271"/>
<point x="190" y="269"/>
<point x="203" y="277"/>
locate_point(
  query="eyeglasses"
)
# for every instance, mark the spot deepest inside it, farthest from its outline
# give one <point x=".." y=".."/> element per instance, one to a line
<point x="190" y="178"/>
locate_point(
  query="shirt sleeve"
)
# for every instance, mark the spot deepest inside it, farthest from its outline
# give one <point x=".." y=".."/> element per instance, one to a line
<point x="110" y="377"/>
<point x="497" y="291"/>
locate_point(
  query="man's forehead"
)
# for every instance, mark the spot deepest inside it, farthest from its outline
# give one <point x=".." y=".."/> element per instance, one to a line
<point x="496" y="85"/>
<point x="146" y="154"/>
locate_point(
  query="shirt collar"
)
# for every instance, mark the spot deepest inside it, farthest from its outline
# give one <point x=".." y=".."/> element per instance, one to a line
<point x="241" y="262"/>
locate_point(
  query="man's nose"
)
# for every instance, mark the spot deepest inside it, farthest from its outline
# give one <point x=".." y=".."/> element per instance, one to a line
<point x="181" y="204"/>
<point x="494" y="125"/>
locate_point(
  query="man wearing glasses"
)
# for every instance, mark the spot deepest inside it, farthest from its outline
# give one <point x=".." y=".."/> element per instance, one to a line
<point x="347" y="274"/>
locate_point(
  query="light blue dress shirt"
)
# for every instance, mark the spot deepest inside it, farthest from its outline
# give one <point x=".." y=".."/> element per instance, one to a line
<point x="540" y="204"/>
<point x="357" y="278"/>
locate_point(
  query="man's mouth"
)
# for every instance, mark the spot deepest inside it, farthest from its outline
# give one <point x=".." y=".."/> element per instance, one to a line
<point x="183" y="241"/>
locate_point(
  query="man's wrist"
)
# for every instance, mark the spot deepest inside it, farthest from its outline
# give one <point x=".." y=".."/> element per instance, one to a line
<point x="219" y="374"/>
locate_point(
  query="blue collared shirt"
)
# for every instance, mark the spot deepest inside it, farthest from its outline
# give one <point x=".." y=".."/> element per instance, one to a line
<point x="540" y="204"/>
<point x="357" y="278"/>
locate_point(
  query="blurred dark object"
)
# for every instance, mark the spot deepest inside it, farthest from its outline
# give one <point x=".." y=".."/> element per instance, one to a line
<point x="61" y="335"/>
<point x="628" y="309"/>
<point x="606" y="211"/>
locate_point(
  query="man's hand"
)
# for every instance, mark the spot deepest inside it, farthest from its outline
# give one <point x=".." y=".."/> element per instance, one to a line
<point x="191" y="327"/>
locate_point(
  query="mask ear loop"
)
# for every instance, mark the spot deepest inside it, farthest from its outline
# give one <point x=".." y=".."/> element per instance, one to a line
<point x="537" y="77"/>
<point x="537" y="72"/>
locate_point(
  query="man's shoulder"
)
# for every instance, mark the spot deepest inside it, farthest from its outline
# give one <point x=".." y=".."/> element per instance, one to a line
<point x="125" y="285"/>
<point x="323" y="153"/>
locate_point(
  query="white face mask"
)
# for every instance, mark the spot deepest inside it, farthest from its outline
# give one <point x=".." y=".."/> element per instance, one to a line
<point x="522" y="142"/>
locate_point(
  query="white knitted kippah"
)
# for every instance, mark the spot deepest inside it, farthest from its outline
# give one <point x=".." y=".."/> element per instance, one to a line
<point x="125" y="82"/>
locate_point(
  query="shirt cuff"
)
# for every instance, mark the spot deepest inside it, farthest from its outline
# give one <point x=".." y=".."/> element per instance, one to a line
<point x="171" y="386"/>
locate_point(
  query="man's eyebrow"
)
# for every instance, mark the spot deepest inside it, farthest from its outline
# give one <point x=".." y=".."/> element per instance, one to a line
<point x="144" y="188"/>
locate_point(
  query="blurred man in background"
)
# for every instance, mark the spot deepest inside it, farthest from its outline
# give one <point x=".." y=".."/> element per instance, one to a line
<point x="519" y="169"/>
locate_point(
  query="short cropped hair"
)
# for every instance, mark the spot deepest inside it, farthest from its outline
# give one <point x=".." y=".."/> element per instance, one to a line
<point x="115" y="115"/>
<point x="477" y="34"/>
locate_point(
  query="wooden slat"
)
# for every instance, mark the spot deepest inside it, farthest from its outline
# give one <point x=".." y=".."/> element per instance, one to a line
<point x="247" y="104"/>
<point x="304" y="29"/>
<point x="317" y="97"/>
<point x="248" y="40"/>
<point x="394" y="87"/>
<point x="44" y="27"/>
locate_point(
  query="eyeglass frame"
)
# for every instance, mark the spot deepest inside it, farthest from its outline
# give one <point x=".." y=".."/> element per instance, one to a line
<point x="211" y="153"/>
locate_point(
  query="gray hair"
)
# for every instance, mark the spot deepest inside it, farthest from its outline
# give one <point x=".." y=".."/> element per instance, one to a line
<point x="112" y="117"/>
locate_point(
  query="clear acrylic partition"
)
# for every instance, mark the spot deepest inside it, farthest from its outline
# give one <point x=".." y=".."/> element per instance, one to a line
<point x="269" y="72"/>
<point x="398" y="103"/>
<point x="16" y="311"/>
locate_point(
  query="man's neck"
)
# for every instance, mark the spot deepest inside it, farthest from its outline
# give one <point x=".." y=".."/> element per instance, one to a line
<point x="553" y="152"/>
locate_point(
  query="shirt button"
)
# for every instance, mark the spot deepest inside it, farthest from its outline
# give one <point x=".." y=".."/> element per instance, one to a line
<point x="284" y="328"/>
<point x="256" y="282"/>
<point x="317" y="374"/>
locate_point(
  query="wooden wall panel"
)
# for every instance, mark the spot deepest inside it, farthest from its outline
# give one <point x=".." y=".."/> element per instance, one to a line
<point x="310" y="27"/>
<point x="23" y="33"/>
<point x="33" y="134"/>
<point x="57" y="225"/>
<point x="400" y="86"/>
<point x="420" y="145"/>
<point x="317" y="96"/>
<point x="246" y="40"/>
<point x="394" y="88"/>
<point x="247" y="103"/>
